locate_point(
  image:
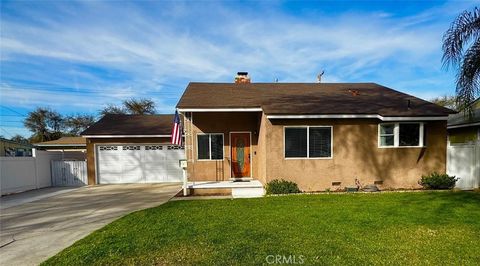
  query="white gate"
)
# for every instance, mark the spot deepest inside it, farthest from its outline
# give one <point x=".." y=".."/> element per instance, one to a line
<point x="463" y="161"/>
<point x="69" y="173"/>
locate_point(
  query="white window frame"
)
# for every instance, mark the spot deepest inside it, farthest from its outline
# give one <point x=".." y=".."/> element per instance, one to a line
<point x="396" y="135"/>
<point x="308" y="143"/>
<point x="210" y="146"/>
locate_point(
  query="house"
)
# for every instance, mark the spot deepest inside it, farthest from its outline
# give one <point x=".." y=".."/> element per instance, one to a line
<point x="319" y="135"/>
<point x="10" y="148"/>
<point x="64" y="144"/>
<point x="463" y="151"/>
<point x="132" y="149"/>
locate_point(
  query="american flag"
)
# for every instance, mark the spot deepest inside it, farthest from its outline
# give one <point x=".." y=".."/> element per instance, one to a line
<point x="177" y="130"/>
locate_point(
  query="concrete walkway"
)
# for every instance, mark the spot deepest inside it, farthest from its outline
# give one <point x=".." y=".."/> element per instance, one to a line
<point x="34" y="231"/>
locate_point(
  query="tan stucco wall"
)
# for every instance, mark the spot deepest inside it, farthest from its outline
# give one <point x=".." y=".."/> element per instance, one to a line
<point x="262" y="151"/>
<point x="355" y="155"/>
<point x="91" y="150"/>
<point x="219" y="170"/>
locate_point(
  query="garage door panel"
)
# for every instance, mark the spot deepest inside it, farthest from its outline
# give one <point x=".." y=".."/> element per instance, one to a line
<point x="139" y="163"/>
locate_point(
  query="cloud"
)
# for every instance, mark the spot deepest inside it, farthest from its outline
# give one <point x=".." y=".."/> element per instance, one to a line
<point x="79" y="56"/>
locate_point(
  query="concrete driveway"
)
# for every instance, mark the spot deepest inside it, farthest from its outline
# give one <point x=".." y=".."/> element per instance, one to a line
<point x="34" y="231"/>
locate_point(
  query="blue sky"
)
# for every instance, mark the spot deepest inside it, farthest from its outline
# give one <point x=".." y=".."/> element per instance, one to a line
<point x="76" y="57"/>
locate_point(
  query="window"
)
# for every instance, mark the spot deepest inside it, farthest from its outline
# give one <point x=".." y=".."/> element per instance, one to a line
<point x="387" y="136"/>
<point x="401" y="135"/>
<point x="308" y="142"/>
<point x="210" y="146"/>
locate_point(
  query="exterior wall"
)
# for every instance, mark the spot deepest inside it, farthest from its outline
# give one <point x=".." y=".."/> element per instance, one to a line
<point x="91" y="142"/>
<point x="355" y="155"/>
<point x="262" y="150"/>
<point x="218" y="170"/>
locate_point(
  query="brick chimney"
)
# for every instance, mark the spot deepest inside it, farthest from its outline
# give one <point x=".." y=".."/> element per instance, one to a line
<point x="242" y="77"/>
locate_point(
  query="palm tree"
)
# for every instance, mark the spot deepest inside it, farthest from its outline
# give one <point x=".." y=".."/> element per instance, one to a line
<point x="464" y="30"/>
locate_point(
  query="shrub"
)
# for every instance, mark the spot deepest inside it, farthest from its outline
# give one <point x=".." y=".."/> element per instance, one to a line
<point x="437" y="181"/>
<point x="281" y="186"/>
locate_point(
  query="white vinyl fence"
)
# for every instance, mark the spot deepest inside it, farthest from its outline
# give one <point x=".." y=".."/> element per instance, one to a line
<point x="26" y="173"/>
<point x="463" y="161"/>
<point x="69" y="173"/>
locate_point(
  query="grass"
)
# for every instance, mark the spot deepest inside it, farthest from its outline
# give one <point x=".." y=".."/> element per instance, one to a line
<point x="425" y="228"/>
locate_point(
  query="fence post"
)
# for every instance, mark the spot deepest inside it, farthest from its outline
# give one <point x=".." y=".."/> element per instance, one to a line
<point x="35" y="158"/>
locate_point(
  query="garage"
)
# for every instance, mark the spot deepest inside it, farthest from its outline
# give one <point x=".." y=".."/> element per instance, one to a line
<point x="139" y="163"/>
<point x="132" y="149"/>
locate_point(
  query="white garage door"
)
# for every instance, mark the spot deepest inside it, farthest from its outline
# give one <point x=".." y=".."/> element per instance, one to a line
<point x="139" y="163"/>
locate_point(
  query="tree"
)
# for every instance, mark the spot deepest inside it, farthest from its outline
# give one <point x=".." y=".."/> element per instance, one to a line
<point x="447" y="101"/>
<point x="140" y="106"/>
<point x="464" y="30"/>
<point x="19" y="139"/>
<point x="113" y="109"/>
<point x="131" y="106"/>
<point x="36" y="122"/>
<point x="75" y="124"/>
<point x="45" y="124"/>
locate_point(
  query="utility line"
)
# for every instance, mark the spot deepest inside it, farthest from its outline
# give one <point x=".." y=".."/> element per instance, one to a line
<point x="10" y="109"/>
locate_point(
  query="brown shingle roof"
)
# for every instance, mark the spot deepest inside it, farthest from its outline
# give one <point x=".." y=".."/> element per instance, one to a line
<point x="131" y="125"/>
<point x="80" y="141"/>
<point x="309" y="98"/>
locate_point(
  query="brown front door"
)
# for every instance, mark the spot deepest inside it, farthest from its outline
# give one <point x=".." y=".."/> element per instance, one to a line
<point x="240" y="143"/>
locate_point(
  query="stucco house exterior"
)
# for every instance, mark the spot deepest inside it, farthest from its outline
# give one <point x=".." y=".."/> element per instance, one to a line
<point x="319" y="135"/>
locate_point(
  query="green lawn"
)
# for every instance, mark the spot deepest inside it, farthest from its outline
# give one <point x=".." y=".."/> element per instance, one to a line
<point x="387" y="228"/>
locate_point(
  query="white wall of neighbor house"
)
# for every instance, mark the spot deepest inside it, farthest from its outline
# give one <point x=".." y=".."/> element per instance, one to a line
<point x="19" y="174"/>
<point x="463" y="157"/>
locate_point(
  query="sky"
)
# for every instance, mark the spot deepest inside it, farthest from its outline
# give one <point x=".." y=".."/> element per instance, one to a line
<point x="77" y="57"/>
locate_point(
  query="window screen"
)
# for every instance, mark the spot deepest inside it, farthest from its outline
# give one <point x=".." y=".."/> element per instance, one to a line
<point x="295" y="142"/>
<point x="203" y="147"/>
<point x="217" y="146"/>
<point x="319" y="142"/>
<point x="409" y="134"/>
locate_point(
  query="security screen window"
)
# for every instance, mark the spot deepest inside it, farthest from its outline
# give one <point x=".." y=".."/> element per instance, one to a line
<point x="210" y="146"/>
<point x="203" y="147"/>
<point x="319" y="144"/>
<point x="401" y="135"/>
<point x="295" y="142"/>
<point x="216" y="141"/>
<point x="409" y="134"/>
<point x="308" y="142"/>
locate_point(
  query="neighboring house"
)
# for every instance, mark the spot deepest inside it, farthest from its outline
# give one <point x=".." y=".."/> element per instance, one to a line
<point x="132" y="149"/>
<point x="64" y="144"/>
<point x="319" y="135"/>
<point x="9" y="148"/>
<point x="464" y="147"/>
